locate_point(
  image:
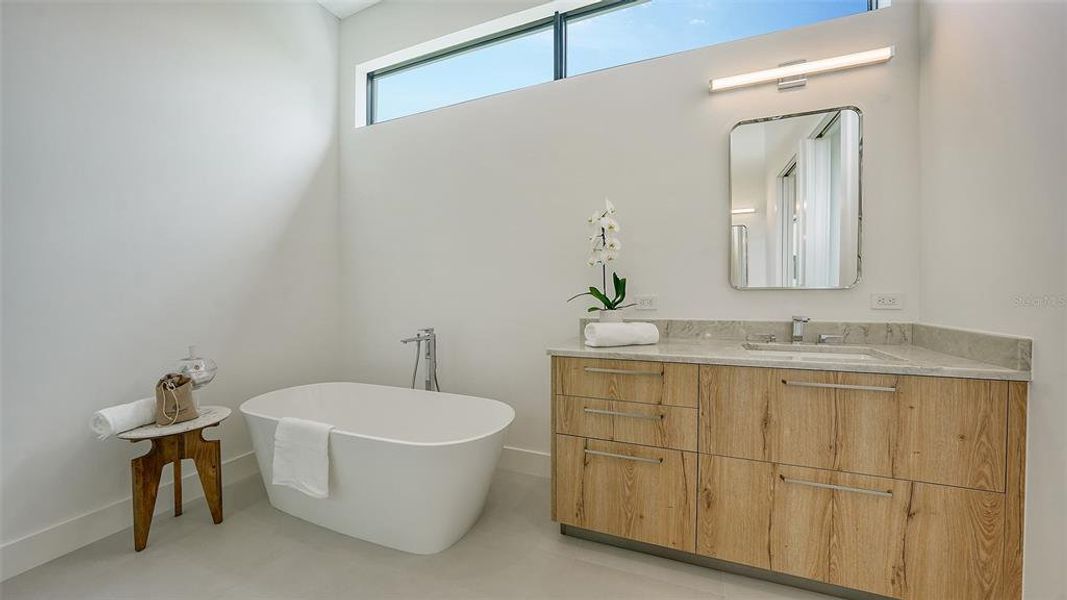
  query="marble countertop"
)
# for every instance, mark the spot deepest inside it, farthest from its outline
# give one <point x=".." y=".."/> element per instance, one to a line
<point x="895" y="359"/>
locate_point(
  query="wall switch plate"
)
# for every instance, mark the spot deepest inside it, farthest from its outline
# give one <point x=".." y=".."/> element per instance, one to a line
<point x="646" y="302"/>
<point x="887" y="301"/>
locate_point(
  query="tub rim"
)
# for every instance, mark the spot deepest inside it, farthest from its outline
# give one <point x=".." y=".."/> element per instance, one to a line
<point x="509" y="421"/>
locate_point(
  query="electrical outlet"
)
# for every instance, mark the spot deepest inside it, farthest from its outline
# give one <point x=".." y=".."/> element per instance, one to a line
<point x="887" y="301"/>
<point x="646" y="302"/>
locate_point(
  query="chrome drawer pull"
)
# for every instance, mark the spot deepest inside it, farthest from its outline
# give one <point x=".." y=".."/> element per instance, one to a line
<point x="620" y="371"/>
<point x="840" y="488"/>
<point x="615" y="413"/>
<point x="654" y="461"/>
<point x="840" y="386"/>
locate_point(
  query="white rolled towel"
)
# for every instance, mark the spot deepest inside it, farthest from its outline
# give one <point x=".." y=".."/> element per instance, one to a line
<point x="124" y="417"/>
<point x="620" y="334"/>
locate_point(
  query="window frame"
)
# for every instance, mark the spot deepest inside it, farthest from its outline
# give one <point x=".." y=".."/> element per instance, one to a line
<point x="545" y="23"/>
<point x="557" y="20"/>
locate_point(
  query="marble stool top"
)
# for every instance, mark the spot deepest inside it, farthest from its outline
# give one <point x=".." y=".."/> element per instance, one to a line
<point x="209" y="415"/>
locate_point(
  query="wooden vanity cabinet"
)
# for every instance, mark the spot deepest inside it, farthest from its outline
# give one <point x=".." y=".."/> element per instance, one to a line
<point x="901" y="486"/>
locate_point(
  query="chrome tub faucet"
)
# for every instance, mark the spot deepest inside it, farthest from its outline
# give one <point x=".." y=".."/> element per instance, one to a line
<point x="427" y="335"/>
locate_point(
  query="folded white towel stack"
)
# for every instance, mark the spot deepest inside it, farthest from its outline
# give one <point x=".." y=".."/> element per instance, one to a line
<point x="302" y="456"/>
<point x="124" y="417"/>
<point x="620" y="334"/>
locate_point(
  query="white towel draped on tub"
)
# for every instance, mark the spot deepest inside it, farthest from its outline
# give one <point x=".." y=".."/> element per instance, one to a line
<point x="302" y="456"/>
<point x="620" y="334"/>
<point x="114" y="420"/>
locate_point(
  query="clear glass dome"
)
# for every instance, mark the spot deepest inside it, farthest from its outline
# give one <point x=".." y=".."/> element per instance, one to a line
<point x="201" y="370"/>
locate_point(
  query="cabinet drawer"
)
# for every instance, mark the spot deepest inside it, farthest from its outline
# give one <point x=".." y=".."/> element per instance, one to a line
<point x="938" y="430"/>
<point x="650" y="425"/>
<point x="631" y="381"/>
<point x="889" y="537"/>
<point x="635" y="492"/>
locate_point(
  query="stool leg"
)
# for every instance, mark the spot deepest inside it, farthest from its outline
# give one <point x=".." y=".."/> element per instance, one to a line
<point x="178" y="488"/>
<point x="207" y="455"/>
<point x="146" y="471"/>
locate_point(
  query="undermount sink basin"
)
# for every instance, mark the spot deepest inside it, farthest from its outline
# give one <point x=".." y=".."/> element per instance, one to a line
<point x="814" y="353"/>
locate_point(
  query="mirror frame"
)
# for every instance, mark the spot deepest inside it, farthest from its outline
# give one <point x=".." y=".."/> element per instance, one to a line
<point x="859" y="202"/>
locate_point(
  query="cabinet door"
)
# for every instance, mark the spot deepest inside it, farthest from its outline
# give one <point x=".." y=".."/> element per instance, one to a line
<point x="930" y="429"/>
<point x="630" y="380"/>
<point x="831" y="420"/>
<point x="867" y="535"/>
<point x="735" y="411"/>
<point x="734" y="510"/>
<point x="801" y="517"/>
<point x="763" y="515"/>
<point x="635" y="492"/>
<point x="820" y="419"/>
<point x="835" y="527"/>
<point x="646" y="424"/>
<point x="953" y="432"/>
<point x="953" y="543"/>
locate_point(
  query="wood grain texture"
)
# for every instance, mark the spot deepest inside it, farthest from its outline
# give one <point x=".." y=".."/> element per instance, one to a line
<point x="734" y="510"/>
<point x="801" y="518"/>
<point x="867" y="535"/>
<point x="735" y="411"/>
<point x="147" y="469"/>
<point x="670" y="427"/>
<point x="952" y="432"/>
<point x="638" y="381"/>
<point x="207" y="456"/>
<point x="750" y="413"/>
<point x="647" y="502"/>
<point x="936" y="430"/>
<point x="864" y="436"/>
<point x="681" y="384"/>
<point x="950" y="453"/>
<point x="953" y="543"/>
<point x="803" y="424"/>
<point x="557" y="389"/>
<point x="1015" y="493"/>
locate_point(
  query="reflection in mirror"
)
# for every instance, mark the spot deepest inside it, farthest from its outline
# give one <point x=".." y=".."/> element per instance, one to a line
<point x="795" y="201"/>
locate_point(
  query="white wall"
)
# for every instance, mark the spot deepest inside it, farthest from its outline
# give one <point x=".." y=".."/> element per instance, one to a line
<point x="170" y="177"/>
<point x="472" y="218"/>
<point x="994" y="139"/>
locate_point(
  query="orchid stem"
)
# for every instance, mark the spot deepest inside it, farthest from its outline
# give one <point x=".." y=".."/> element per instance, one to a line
<point x="603" y="266"/>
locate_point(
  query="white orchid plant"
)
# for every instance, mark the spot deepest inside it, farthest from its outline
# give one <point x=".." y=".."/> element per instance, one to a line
<point x="604" y="248"/>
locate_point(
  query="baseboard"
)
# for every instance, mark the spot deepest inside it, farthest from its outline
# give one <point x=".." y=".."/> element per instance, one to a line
<point x="529" y="462"/>
<point x="62" y="538"/>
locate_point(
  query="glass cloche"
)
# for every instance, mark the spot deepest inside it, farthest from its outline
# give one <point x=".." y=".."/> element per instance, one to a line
<point x="201" y="370"/>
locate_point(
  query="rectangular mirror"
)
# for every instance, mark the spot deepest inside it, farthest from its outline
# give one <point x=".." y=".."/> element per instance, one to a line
<point x="795" y="201"/>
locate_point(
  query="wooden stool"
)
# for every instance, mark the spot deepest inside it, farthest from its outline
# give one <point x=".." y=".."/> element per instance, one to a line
<point x="171" y="444"/>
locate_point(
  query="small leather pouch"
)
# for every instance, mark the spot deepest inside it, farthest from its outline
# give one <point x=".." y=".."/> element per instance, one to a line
<point x="174" y="400"/>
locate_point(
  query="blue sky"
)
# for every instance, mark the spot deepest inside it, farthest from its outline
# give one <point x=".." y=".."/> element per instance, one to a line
<point x="636" y="32"/>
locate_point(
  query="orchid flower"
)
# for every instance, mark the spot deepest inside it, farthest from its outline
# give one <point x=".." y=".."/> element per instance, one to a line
<point x="605" y="248"/>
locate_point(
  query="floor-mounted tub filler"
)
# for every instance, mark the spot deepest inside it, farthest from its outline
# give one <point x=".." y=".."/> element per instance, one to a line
<point x="409" y="469"/>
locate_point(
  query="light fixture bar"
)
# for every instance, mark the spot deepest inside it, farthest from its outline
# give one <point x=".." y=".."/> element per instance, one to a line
<point x="846" y="61"/>
<point x="742" y="211"/>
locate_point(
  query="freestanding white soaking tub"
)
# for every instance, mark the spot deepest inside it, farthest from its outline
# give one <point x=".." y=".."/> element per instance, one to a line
<point x="409" y="469"/>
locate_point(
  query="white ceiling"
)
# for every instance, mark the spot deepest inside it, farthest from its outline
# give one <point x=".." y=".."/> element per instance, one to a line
<point x="346" y="8"/>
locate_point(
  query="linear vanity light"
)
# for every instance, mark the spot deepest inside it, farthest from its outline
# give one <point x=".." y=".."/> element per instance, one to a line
<point x="801" y="69"/>
<point x="742" y="211"/>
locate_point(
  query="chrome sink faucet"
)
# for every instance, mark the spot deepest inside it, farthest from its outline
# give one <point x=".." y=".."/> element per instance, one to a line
<point x="427" y="335"/>
<point x="798" y="328"/>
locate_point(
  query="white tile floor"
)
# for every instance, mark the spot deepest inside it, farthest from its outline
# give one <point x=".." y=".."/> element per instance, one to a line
<point x="514" y="551"/>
